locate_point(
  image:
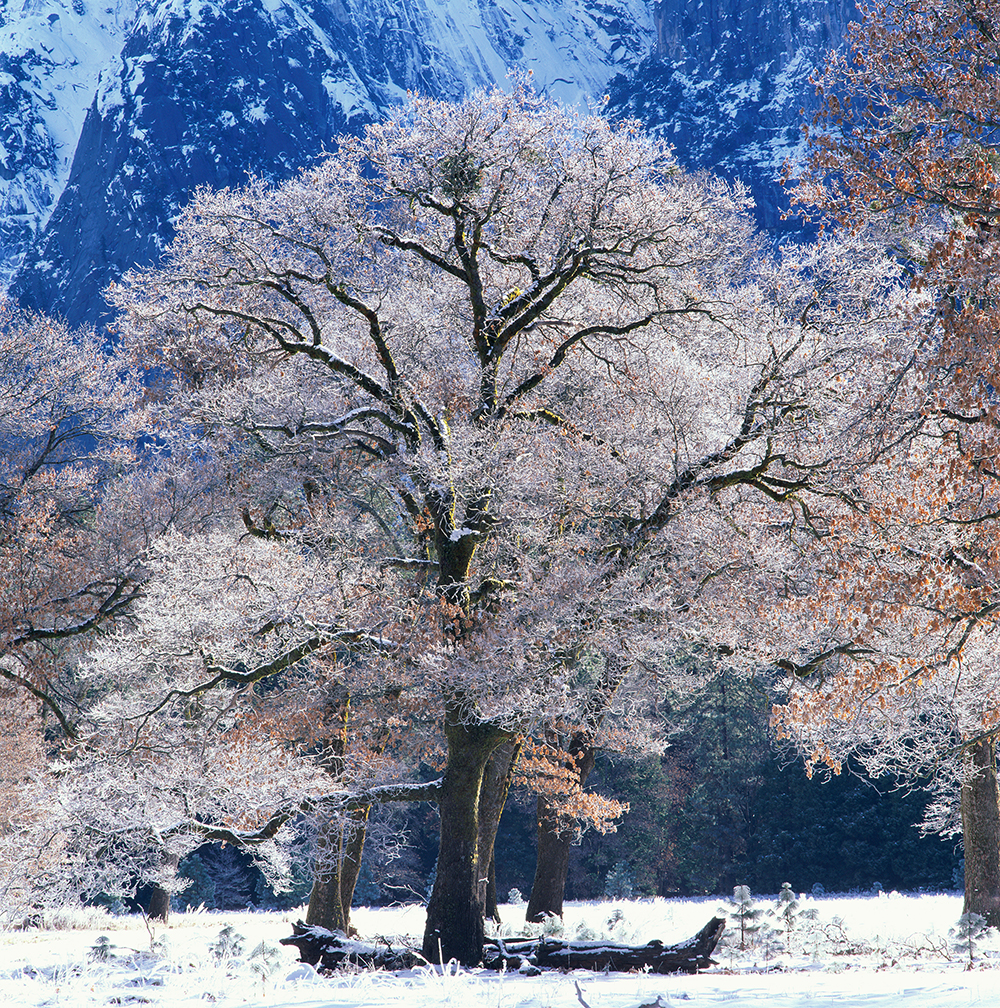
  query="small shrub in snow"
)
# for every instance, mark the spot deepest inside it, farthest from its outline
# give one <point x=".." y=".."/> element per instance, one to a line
<point x="228" y="944"/>
<point x="967" y="936"/>
<point x="744" y="915"/>
<point x="834" y="939"/>
<point x="550" y="927"/>
<point x="102" y="950"/>
<point x="81" y="918"/>
<point x="514" y="898"/>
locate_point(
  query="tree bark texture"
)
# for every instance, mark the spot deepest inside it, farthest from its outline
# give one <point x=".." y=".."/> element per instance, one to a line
<point x="325" y="908"/>
<point x="492" y="798"/>
<point x="455" y="928"/>
<point x="159" y="897"/>
<point x="548" y="890"/>
<point x="981" y="833"/>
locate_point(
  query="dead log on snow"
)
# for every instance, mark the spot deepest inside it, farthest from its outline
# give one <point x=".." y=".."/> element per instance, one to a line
<point x="553" y="953"/>
<point x="329" y="949"/>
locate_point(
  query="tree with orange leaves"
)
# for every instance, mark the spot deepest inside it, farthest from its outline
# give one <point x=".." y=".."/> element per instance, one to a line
<point x="907" y="599"/>
<point x="904" y="672"/>
<point x="562" y="762"/>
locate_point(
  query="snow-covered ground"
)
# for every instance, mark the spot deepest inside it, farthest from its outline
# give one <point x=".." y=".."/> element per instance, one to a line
<point x="888" y="952"/>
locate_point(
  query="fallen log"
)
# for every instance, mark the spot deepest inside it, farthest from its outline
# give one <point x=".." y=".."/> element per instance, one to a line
<point x="329" y="949"/>
<point x="553" y="953"/>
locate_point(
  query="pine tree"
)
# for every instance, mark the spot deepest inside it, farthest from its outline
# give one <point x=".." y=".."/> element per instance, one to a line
<point x="227" y="945"/>
<point x="788" y="913"/>
<point x="746" y="916"/>
<point x="265" y="960"/>
<point x="967" y="935"/>
<point x="620" y="883"/>
<point x="229" y="869"/>
<point x="201" y="890"/>
<point x="102" y="950"/>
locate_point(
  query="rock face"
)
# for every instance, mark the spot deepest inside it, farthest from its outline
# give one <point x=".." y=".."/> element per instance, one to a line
<point x="727" y="84"/>
<point x="156" y="97"/>
<point x="51" y="52"/>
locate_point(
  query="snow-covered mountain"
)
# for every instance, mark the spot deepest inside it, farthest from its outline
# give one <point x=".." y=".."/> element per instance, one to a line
<point x="156" y="97"/>
<point x="727" y="82"/>
<point x="51" y="52"/>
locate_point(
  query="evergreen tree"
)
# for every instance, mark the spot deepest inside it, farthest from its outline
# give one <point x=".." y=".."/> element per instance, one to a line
<point x="229" y="869"/>
<point x="227" y="945"/>
<point x="967" y="936"/>
<point x="620" y="883"/>
<point x="201" y="888"/>
<point x="789" y="913"/>
<point x="102" y="950"/>
<point x="745" y="915"/>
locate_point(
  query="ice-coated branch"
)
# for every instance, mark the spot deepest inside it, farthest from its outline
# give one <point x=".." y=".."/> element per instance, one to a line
<point x="339" y="801"/>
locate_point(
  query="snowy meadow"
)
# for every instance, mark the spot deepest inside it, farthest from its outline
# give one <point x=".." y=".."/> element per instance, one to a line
<point x="886" y="951"/>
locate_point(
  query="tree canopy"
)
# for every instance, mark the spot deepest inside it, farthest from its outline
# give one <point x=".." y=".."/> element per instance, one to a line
<point x="908" y="136"/>
<point x="495" y="410"/>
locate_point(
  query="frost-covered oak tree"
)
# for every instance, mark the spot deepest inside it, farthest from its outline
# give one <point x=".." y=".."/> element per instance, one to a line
<point x="64" y="440"/>
<point x="515" y="397"/>
<point x="79" y="510"/>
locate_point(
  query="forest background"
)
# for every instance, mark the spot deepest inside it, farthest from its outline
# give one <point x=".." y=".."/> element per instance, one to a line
<point x="724" y="806"/>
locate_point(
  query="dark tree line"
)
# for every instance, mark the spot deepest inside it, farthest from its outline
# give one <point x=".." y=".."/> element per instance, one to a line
<point x="720" y="808"/>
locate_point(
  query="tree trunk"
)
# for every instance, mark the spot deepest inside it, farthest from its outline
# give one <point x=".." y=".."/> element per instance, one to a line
<point x="336" y="873"/>
<point x="981" y="833"/>
<point x="454" y="928"/>
<point x="491" y="908"/>
<point x="492" y="797"/>
<point x="159" y="905"/>
<point x="548" y="890"/>
<point x="551" y="866"/>
<point x="159" y="897"/>
<point x="326" y="908"/>
<point x="353" y="848"/>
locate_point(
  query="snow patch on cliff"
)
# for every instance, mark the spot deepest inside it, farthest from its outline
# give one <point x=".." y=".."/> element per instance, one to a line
<point x="51" y="56"/>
